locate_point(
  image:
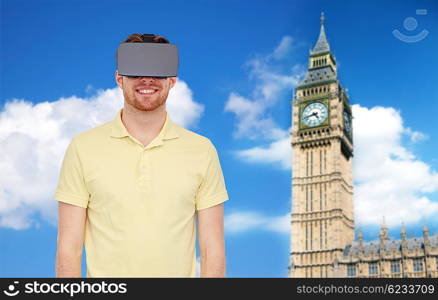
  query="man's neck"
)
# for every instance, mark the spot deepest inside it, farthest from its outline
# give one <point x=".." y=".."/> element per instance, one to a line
<point x="143" y="125"/>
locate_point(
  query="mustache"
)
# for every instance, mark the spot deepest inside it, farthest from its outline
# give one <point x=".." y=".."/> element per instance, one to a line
<point x="144" y="87"/>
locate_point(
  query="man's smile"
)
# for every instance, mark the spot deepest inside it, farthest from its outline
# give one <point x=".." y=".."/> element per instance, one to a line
<point x="146" y="90"/>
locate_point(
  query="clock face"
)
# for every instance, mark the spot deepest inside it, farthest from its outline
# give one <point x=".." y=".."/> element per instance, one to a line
<point x="314" y="114"/>
<point x="347" y="122"/>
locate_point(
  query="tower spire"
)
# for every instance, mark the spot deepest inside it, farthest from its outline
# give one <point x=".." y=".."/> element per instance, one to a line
<point x="383" y="230"/>
<point x="322" y="64"/>
<point x="360" y="238"/>
<point x="426" y="239"/>
<point x="322" y="44"/>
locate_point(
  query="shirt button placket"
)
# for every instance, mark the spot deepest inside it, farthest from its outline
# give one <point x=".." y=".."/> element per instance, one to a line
<point x="144" y="179"/>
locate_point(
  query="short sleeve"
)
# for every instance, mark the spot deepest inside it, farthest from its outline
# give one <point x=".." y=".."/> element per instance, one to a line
<point x="71" y="187"/>
<point x="212" y="189"/>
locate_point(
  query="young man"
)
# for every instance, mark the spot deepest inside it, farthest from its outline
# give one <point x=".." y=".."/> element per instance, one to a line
<point x="131" y="189"/>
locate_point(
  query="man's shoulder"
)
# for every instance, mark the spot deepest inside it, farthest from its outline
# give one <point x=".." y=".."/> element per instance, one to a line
<point x="193" y="138"/>
<point x="94" y="135"/>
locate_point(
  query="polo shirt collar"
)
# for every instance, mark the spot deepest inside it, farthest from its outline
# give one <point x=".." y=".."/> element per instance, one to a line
<point x="168" y="131"/>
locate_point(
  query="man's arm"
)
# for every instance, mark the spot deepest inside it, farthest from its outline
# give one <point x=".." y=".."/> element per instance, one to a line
<point x="211" y="241"/>
<point x="71" y="233"/>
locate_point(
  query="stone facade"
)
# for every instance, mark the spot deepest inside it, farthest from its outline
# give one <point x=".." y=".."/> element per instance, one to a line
<point x="322" y="219"/>
<point x="407" y="257"/>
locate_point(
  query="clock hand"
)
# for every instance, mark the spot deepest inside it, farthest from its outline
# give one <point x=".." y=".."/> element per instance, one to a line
<point x="308" y="116"/>
<point x="313" y="114"/>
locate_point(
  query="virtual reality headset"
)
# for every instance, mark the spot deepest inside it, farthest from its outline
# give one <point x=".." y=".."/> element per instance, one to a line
<point x="147" y="59"/>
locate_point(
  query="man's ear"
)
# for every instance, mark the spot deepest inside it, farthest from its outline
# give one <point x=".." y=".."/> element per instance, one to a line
<point x="119" y="79"/>
<point x="172" y="81"/>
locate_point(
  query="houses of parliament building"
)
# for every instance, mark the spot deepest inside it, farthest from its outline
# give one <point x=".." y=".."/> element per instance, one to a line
<point x="323" y="233"/>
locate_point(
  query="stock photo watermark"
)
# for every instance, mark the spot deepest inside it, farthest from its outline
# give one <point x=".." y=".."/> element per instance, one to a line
<point x="410" y="24"/>
<point x="71" y="289"/>
<point x="11" y="291"/>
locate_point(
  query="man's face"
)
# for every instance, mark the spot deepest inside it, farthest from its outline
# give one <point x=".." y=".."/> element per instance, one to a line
<point x="145" y="93"/>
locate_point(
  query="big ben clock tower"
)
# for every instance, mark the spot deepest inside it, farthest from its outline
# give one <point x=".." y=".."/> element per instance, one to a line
<point x="322" y="217"/>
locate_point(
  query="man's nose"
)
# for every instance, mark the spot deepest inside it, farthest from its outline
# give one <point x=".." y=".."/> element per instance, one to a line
<point x="148" y="79"/>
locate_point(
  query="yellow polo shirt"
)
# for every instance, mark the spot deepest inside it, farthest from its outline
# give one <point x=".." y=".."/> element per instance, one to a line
<point x="141" y="201"/>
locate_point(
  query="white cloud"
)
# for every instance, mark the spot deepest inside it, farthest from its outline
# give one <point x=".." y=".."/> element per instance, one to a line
<point x="389" y="180"/>
<point x="240" y="222"/>
<point x="284" y="48"/>
<point x="251" y="124"/>
<point x="34" y="137"/>
<point x="253" y="120"/>
<point x="278" y="153"/>
<point x="252" y="113"/>
<point x="182" y="108"/>
<point x="415" y="136"/>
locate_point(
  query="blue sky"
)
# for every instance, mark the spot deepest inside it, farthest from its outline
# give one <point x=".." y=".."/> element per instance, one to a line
<point x="232" y="52"/>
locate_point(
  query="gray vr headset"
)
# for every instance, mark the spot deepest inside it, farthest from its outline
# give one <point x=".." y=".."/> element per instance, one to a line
<point x="147" y="59"/>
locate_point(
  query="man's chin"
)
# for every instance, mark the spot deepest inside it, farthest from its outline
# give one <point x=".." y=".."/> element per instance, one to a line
<point x="145" y="105"/>
<point x="150" y="107"/>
